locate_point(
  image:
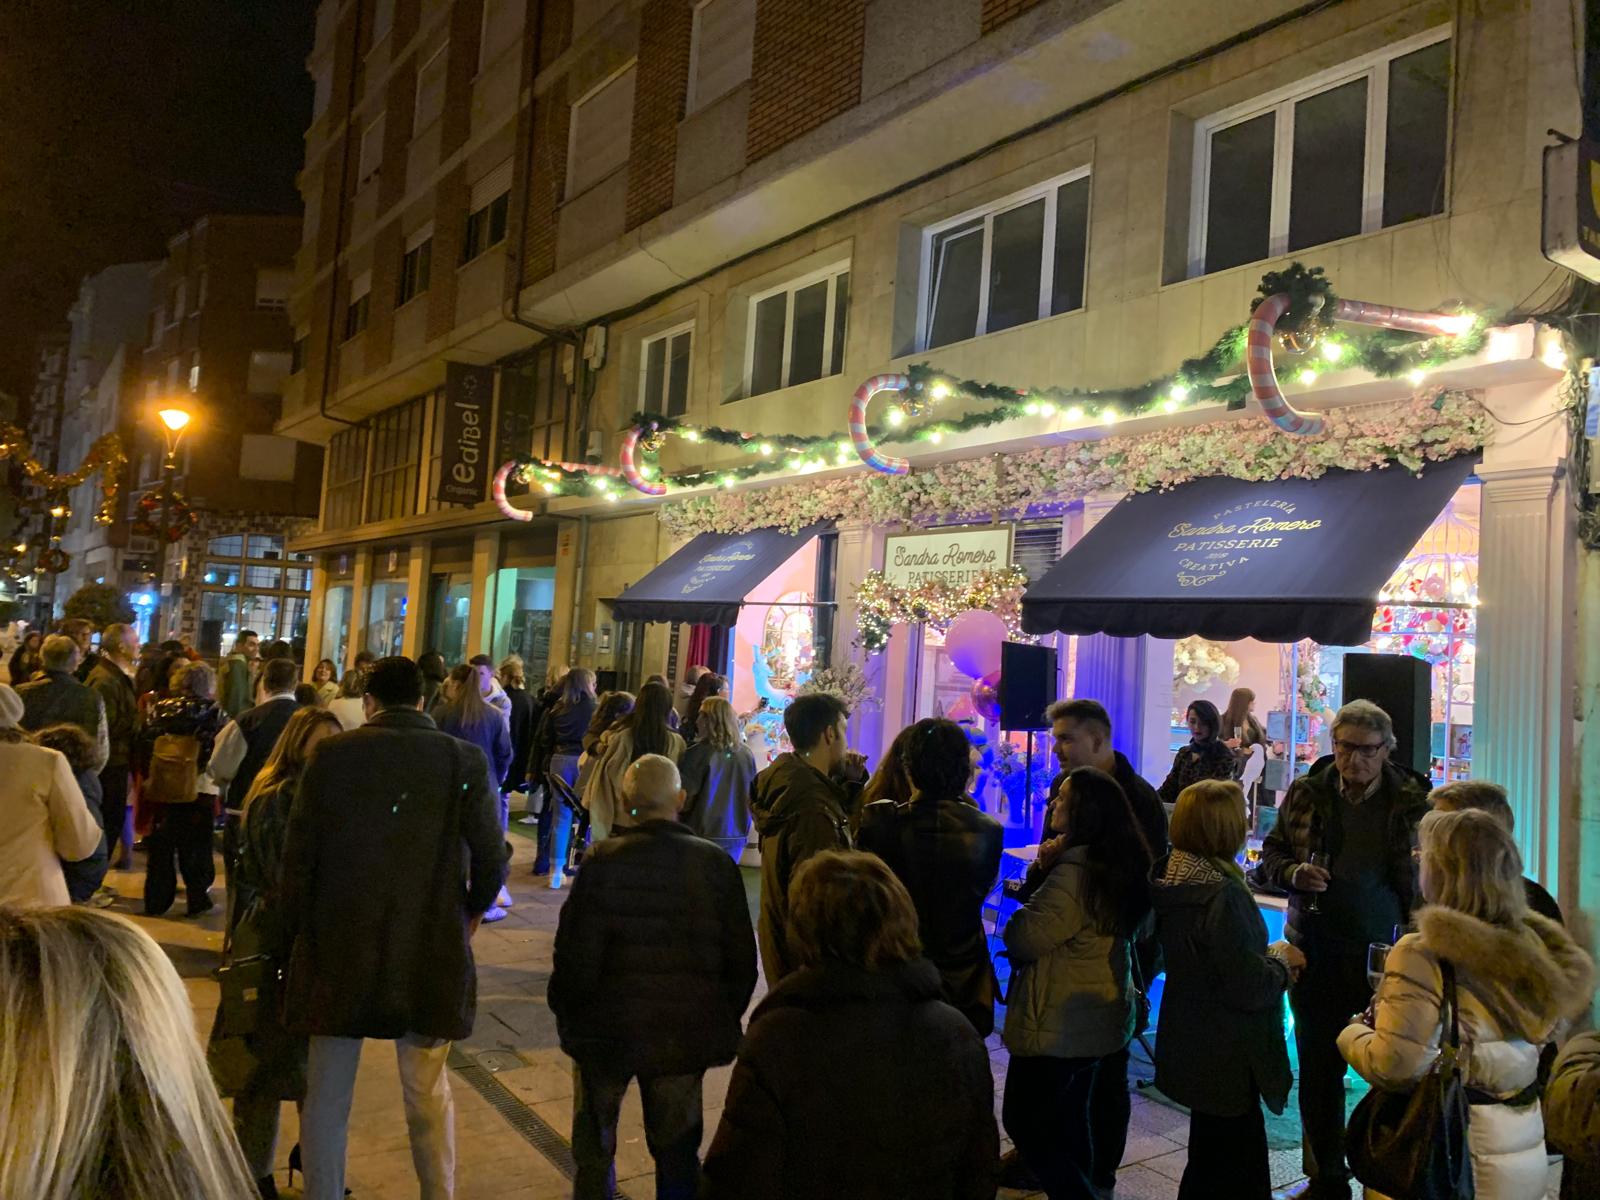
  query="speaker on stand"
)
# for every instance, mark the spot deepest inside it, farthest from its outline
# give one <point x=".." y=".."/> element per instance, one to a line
<point x="1027" y="688"/>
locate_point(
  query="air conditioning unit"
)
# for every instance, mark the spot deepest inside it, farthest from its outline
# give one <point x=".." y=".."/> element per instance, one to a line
<point x="1571" y="228"/>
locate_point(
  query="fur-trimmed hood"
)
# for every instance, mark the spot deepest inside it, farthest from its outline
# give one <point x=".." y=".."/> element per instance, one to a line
<point x="1531" y="977"/>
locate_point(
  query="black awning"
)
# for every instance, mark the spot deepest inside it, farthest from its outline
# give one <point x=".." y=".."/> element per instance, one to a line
<point x="1228" y="559"/>
<point x="706" y="581"/>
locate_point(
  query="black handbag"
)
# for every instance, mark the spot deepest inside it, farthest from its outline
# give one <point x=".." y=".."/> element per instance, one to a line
<point x="249" y="988"/>
<point x="1414" y="1144"/>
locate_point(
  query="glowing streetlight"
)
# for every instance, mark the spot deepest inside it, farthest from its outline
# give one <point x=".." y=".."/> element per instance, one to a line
<point x="175" y="419"/>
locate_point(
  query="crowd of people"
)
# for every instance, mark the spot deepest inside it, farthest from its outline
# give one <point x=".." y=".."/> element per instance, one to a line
<point x="363" y="823"/>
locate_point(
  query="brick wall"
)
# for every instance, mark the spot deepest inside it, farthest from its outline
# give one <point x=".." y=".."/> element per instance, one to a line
<point x="466" y="32"/>
<point x="552" y="112"/>
<point x="449" y="222"/>
<point x="997" y="12"/>
<point x="400" y="110"/>
<point x="661" y="90"/>
<point x="807" y="68"/>
<point x="386" y="250"/>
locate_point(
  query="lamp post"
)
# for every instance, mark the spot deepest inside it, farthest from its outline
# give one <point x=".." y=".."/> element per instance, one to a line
<point x="174" y="420"/>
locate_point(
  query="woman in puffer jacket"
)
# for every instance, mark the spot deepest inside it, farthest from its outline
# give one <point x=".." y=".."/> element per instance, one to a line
<point x="1518" y="978"/>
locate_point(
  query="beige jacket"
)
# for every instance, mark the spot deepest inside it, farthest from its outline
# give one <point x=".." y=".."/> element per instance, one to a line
<point x="1515" y="987"/>
<point x="1071" y="993"/>
<point x="603" y="794"/>
<point x="43" y="819"/>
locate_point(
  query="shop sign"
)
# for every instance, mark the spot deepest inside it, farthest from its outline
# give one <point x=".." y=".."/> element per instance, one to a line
<point x="954" y="555"/>
<point x="1236" y="535"/>
<point x="715" y="564"/>
<point x="464" y="452"/>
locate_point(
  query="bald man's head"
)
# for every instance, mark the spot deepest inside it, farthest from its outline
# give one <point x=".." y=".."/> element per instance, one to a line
<point x="652" y="788"/>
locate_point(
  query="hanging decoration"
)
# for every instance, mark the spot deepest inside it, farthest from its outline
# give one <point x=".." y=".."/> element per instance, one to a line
<point x="105" y="456"/>
<point x="1198" y="663"/>
<point x="553" y="477"/>
<point x="1430" y="426"/>
<point x="881" y="605"/>
<point x="164" y="514"/>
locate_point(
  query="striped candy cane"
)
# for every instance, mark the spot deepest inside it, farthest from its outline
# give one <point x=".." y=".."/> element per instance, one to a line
<point x="498" y="488"/>
<point x="886" y="463"/>
<point x="630" y="470"/>
<point x="1263" y="325"/>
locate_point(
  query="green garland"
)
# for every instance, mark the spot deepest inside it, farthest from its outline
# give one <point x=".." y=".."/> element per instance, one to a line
<point x="1210" y="379"/>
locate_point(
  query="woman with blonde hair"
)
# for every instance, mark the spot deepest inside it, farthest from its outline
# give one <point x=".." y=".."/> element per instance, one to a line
<point x="1515" y="977"/>
<point x="1220" y="1048"/>
<point x="263" y="1068"/>
<point x="717" y="771"/>
<point x="856" y="1078"/>
<point x="106" y="1090"/>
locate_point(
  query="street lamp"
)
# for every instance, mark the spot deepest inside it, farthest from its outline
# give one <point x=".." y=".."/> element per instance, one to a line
<point x="175" y="420"/>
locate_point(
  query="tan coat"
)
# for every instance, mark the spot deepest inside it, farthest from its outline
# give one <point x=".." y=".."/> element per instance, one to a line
<point x="43" y="819"/>
<point x="603" y="795"/>
<point x="1515" y="987"/>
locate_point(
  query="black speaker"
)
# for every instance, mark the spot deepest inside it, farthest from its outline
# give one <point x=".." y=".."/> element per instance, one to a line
<point x="1403" y="687"/>
<point x="1027" y="685"/>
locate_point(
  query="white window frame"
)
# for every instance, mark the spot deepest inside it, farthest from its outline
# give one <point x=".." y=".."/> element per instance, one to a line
<point x="791" y="286"/>
<point x="365" y="170"/>
<point x="417" y="122"/>
<point x="1373" y="68"/>
<point x="694" y="102"/>
<point x="666" y="335"/>
<point x="1045" y="189"/>
<point x="568" y="191"/>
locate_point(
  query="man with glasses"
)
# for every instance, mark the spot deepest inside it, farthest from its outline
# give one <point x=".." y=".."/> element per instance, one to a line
<point x="1342" y="849"/>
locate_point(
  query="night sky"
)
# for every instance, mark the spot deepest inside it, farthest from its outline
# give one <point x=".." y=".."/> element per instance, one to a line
<point x="121" y="121"/>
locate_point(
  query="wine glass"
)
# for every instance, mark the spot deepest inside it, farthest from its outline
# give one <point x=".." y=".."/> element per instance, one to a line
<point x="1377" y="962"/>
<point x="1320" y="859"/>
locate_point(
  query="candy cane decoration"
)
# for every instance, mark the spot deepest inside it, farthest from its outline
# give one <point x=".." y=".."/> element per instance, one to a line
<point x="630" y="471"/>
<point x="886" y="463"/>
<point x="1263" y="325"/>
<point x="498" y="490"/>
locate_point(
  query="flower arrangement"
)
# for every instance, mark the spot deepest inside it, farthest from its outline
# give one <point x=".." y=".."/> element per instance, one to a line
<point x="881" y="605"/>
<point x="1197" y="662"/>
<point x="1431" y="426"/>
<point x="848" y="682"/>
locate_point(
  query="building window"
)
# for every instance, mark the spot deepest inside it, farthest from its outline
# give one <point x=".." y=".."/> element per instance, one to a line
<point x="1018" y="260"/>
<point x="501" y="21"/>
<point x="297" y="351"/>
<point x="488" y="206"/>
<point x="268" y="369"/>
<point x="533" y="408"/>
<point x="797" y="331"/>
<point x="346" y="473"/>
<point x="194" y="372"/>
<point x="720" y="49"/>
<point x="246" y="587"/>
<point x="602" y="126"/>
<point x="355" y="313"/>
<point x="396" y="455"/>
<point x="371" y="154"/>
<point x="272" y="288"/>
<point x="664" y="371"/>
<point x="158" y="322"/>
<point x="175" y="303"/>
<point x="1352" y="150"/>
<point x="416" y="266"/>
<point x="430" y="89"/>
<point x="201" y="283"/>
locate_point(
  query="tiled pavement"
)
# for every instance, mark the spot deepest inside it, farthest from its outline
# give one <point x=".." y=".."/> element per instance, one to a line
<point x="515" y="1045"/>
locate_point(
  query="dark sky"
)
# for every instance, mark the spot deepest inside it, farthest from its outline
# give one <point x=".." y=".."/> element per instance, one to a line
<point x="121" y="121"/>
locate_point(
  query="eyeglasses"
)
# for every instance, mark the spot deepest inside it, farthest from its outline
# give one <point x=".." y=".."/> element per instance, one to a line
<point x="1363" y="749"/>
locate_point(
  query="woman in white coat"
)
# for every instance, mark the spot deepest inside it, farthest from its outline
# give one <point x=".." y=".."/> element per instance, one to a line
<point x="43" y="816"/>
<point x="1518" y="978"/>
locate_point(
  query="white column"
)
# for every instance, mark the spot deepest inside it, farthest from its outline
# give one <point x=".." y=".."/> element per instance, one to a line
<point x="1522" y="725"/>
<point x="360" y="601"/>
<point x="485" y="562"/>
<point x="419" y="573"/>
<point x="860" y="550"/>
<point x="314" y="618"/>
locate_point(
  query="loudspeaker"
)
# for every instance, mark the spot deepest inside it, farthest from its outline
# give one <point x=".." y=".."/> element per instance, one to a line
<point x="1027" y="685"/>
<point x="1403" y="687"/>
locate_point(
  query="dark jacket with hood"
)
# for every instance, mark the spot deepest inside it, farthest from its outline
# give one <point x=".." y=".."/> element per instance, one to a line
<point x="799" y="812"/>
<point x="1220" y="1043"/>
<point x="857" y="1083"/>
<point x="1311" y="818"/>
<point x="1147" y="807"/>
<point x="394" y="842"/>
<point x="85" y="876"/>
<point x="655" y="959"/>
<point x="947" y="853"/>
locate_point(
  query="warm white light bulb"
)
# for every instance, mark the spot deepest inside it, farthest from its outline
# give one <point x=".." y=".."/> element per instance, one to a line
<point x="1415" y="376"/>
<point x="1332" y="351"/>
<point x="1308" y="377"/>
<point x="936" y="437"/>
<point x="939" y="391"/>
<point x="1457" y="323"/>
<point x="1074" y="413"/>
<point x="1180" y="391"/>
<point x="897" y="417"/>
<point x="766" y="449"/>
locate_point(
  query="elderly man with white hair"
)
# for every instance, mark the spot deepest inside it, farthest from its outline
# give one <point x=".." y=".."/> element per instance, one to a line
<point x="1342" y="849"/>
<point x="655" y="960"/>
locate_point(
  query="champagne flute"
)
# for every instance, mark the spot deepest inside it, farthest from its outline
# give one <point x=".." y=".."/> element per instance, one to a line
<point x="1320" y="859"/>
<point x="1377" y="962"/>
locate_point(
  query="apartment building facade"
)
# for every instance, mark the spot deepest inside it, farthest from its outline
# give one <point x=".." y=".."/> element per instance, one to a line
<point x="731" y="213"/>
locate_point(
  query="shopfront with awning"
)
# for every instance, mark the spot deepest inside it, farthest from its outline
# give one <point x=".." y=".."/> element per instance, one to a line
<point x="1270" y="586"/>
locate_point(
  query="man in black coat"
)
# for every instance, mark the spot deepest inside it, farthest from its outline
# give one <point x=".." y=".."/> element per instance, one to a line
<point x="393" y="855"/>
<point x="56" y="697"/>
<point x="655" y="961"/>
